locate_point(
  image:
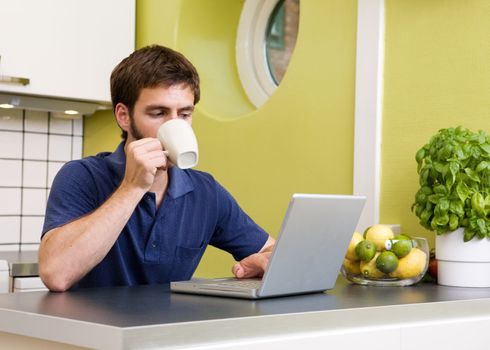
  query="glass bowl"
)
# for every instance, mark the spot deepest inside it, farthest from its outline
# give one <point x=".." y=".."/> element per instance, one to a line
<point x="410" y="269"/>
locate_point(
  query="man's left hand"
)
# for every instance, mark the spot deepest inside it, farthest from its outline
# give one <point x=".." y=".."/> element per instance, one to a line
<point x="254" y="265"/>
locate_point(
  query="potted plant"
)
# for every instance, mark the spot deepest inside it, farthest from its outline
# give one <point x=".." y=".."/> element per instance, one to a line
<point x="454" y="201"/>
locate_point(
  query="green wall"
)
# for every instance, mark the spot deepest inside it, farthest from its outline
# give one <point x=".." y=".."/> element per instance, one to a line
<point x="301" y="140"/>
<point x="437" y="75"/>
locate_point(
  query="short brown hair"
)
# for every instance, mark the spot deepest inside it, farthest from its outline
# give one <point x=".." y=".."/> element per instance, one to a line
<point x="151" y="66"/>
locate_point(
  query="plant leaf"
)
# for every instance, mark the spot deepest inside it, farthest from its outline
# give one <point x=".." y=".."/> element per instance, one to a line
<point x="485" y="147"/>
<point x="472" y="174"/>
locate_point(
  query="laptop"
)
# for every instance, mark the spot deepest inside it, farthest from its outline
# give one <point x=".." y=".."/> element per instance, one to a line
<point x="307" y="256"/>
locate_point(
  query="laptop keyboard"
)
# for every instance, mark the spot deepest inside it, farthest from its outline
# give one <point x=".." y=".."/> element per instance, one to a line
<point x="253" y="284"/>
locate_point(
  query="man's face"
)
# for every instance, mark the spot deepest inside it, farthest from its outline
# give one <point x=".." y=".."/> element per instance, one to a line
<point x="158" y="105"/>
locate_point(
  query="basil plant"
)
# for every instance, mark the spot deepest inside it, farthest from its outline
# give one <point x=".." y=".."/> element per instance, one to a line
<point x="454" y="177"/>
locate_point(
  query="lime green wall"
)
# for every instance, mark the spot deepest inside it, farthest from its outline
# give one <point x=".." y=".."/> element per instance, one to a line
<point x="301" y="140"/>
<point x="437" y="75"/>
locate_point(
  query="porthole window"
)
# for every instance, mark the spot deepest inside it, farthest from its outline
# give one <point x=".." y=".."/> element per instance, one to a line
<point x="266" y="38"/>
<point x="281" y="34"/>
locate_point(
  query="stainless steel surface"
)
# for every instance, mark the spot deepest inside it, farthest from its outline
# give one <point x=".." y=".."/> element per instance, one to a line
<point x="21" y="264"/>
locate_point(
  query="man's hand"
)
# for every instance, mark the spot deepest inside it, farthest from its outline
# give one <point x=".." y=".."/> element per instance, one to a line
<point x="254" y="265"/>
<point x="143" y="158"/>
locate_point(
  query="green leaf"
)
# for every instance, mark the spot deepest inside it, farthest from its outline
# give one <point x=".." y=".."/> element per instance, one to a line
<point x="468" y="234"/>
<point x="482" y="228"/>
<point x="419" y="156"/>
<point x="438" y="167"/>
<point x="462" y="191"/>
<point x="478" y="203"/>
<point x="453" y="222"/>
<point x="425" y="216"/>
<point x="485" y="147"/>
<point x="483" y="165"/>
<point x="456" y="207"/>
<point x="440" y="189"/>
<point x="434" y="198"/>
<point x="472" y="174"/>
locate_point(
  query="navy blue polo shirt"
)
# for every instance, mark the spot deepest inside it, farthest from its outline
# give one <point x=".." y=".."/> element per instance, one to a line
<point x="157" y="245"/>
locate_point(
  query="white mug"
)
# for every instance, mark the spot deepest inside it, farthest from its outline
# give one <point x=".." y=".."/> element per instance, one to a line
<point x="179" y="141"/>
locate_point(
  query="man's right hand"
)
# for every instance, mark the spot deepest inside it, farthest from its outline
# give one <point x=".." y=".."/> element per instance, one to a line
<point x="143" y="158"/>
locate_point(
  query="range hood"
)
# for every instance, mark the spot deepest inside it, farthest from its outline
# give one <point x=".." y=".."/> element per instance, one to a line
<point x="61" y="108"/>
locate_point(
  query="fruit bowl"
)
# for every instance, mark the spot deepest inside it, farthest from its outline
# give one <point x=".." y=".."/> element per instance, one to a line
<point x="400" y="261"/>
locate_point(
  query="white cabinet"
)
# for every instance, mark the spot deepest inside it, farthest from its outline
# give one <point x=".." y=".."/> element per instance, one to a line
<point x="66" y="48"/>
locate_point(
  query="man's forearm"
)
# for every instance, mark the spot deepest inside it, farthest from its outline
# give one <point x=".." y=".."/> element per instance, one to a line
<point x="69" y="252"/>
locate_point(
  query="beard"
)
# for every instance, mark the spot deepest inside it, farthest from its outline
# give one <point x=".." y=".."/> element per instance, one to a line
<point x="133" y="129"/>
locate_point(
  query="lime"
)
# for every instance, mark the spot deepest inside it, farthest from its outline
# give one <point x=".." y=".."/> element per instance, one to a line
<point x="369" y="270"/>
<point x="351" y="250"/>
<point x="402" y="247"/>
<point x="365" y="250"/>
<point x="387" y="262"/>
<point x="403" y="236"/>
<point x="379" y="234"/>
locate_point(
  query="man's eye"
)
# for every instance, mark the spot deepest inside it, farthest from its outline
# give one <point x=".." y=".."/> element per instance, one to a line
<point x="156" y="114"/>
<point x="186" y="115"/>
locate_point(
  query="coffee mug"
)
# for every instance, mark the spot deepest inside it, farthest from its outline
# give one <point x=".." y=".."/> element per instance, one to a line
<point x="179" y="141"/>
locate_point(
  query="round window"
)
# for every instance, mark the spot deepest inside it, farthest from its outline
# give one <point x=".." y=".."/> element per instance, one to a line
<point x="266" y="38"/>
<point x="281" y="35"/>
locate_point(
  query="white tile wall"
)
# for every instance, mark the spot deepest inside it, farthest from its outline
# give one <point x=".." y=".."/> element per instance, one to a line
<point x="36" y="121"/>
<point x="10" y="173"/>
<point x="10" y="144"/>
<point x="60" y="147"/>
<point x="31" y="229"/>
<point x="53" y="168"/>
<point x="10" y="119"/>
<point x="10" y="229"/>
<point x="10" y="203"/>
<point x="78" y="127"/>
<point x="34" y="174"/>
<point x="60" y="126"/>
<point x="33" y="201"/>
<point x="76" y="152"/>
<point x="33" y="147"/>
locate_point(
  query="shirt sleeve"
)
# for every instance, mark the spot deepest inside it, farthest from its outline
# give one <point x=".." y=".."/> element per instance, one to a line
<point x="236" y="232"/>
<point x="72" y="195"/>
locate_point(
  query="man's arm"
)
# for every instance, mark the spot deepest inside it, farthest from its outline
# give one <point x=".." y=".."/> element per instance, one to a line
<point x="254" y="265"/>
<point x="69" y="252"/>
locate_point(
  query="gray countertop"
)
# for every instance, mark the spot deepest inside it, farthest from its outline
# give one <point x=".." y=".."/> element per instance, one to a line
<point x="123" y="316"/>
<point x="21" y="263"/>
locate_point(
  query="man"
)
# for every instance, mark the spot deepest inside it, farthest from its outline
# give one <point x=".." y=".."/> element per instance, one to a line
<point x="131" y="217"/>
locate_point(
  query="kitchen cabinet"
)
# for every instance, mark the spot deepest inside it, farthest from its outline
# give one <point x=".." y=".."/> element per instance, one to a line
<point x="64" y="48"/>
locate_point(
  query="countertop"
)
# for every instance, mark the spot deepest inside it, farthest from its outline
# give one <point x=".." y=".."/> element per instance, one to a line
<point x="148" y="316"/>
<point x="21" y="263"/>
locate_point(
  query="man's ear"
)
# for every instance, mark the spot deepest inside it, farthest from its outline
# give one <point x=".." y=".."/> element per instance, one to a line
<point x="122" y="116"/>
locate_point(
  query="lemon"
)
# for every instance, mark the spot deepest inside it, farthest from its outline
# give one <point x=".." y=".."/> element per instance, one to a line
<point x="387" y="262"/>
<point x="369" y="270"/>
<point x="351" y="250"/>
<point x="352" y="267"/>
<point x="411" y="265"/>
<point x="379" y="234"/>
<point x="365" y="250"/>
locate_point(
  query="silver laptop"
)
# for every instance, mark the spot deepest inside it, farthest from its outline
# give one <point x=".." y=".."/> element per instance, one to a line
<point x="309" y="251"/>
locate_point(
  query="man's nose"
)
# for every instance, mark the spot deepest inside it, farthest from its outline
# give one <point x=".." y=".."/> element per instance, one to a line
<point x="172" y="115"/>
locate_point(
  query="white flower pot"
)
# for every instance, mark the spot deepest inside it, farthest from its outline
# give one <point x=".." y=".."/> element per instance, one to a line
<point x="462" y="264"/>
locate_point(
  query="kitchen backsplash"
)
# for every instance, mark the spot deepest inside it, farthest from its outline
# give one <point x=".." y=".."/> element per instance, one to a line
<point x="33" y="147"/>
